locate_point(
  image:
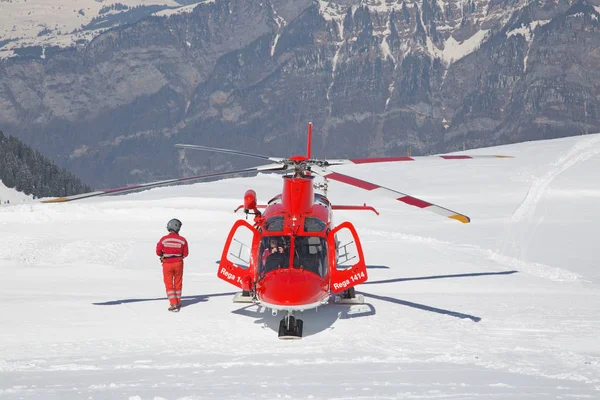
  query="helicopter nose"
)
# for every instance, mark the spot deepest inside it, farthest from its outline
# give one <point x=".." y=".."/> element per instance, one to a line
<point x="290" y="287"/>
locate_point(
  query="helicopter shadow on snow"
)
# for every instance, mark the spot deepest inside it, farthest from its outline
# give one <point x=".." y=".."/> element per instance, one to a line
<point x="424" y="307"/>
<point x="315" y="320"/>
<point x="324" y="317"/>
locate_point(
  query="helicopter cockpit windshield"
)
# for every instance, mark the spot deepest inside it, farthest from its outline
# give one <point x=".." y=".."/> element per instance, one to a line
<point x="309" y="253"/>
<point x="274" y="253"/>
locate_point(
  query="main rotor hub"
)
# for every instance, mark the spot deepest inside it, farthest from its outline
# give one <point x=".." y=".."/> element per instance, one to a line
<point x="298" y="158"/>
<point x="300" y="164"/>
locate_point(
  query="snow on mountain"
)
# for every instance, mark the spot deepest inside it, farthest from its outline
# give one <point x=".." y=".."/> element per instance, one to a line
<point x="452" y="30"/>
<point x="64" y="23"/>
<point x="505" y="307"/>
<point x="180" y="10"/>
<point x="454" y="51"/>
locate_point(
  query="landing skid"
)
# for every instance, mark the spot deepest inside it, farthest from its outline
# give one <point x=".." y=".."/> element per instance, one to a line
<point x="243" y="297"/>
<point x="290" y="327"/>
<point x="349" y="297"/>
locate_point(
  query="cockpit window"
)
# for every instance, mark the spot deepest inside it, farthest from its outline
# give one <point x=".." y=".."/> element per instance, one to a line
<point x="310" y="254"/>
<point x="321" y="200"/>
<point x="274" y="224"/>
<point x="312" y="224"/>
<point x="274" y="253"/>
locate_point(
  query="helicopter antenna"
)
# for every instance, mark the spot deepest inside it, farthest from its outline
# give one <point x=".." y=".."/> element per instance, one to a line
<point x="308" y="145"/>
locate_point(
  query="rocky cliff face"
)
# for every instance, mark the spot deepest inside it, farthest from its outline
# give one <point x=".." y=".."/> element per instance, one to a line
<point x="374" y="77"/>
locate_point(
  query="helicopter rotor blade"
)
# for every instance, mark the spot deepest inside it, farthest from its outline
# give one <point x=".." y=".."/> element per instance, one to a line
<point x="269" y="167"/>
<point x="229" y="151"/>
<point x="417" y="158"/>
<point x="405" y="198"/>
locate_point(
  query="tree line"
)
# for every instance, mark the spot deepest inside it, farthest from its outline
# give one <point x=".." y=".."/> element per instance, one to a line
<point x="29" y="172"/>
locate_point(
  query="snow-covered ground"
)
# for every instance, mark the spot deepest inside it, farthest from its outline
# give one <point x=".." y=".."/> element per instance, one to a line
<point x="12" y="196"/>
<point x="507" y="307"/>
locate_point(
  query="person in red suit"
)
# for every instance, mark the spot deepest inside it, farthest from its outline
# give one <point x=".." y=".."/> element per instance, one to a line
<point x="172" y="249"/>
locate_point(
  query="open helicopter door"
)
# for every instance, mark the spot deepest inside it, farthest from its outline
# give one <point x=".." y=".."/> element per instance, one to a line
<point x="238" y="264"/>
<point x="347" y="264"/>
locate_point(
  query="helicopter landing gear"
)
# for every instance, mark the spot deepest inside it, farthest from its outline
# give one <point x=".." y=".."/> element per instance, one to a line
<point x="244" y="297"/>
<point x="349" y="296"/>
<point x="290" y="327"/>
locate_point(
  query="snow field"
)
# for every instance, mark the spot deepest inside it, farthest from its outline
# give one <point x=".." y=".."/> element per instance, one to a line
<point x="505" y="307"/>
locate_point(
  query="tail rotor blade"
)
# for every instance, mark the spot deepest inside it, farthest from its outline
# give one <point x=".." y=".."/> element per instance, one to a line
<point x="269" y="167"/>
<point x="403" y="197"/>
<point x="229" y="151"/>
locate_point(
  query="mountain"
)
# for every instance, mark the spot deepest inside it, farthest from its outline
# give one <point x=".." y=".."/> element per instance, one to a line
<point x="506" y="307"/>
<point x="39" y="28"/>
<point x="29" y="172"/>
<point x="375" y="77"/>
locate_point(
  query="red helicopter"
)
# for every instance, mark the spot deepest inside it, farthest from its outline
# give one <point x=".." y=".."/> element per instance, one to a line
<point x="293" y="260"/>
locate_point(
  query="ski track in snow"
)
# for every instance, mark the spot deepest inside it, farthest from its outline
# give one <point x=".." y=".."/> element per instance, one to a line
<point x="522" y="224"/>
<point x="581" y="151"/>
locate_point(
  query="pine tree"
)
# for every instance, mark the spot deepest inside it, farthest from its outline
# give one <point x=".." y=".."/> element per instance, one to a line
<point x="28" y="170"/>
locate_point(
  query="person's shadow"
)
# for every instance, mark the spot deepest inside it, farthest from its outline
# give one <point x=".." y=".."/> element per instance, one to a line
<point x="185" y="300"/>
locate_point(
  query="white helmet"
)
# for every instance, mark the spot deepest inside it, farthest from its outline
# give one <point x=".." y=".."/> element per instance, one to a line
<point x="174" y="225"/>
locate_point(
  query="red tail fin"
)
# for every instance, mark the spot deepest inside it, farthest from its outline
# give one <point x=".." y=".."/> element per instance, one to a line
<point x="309" y="140"/>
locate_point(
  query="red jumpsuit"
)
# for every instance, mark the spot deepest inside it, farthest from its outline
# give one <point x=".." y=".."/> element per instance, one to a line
<point x="172" y="249"/>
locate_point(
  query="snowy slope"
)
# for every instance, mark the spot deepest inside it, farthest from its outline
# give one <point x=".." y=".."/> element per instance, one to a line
<point x="12" y="196"/>
<point x="507" y="307"/>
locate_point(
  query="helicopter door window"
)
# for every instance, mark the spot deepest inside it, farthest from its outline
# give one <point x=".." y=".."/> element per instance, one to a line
<point x="310" y="254"/>
<point x="274" y="253"/>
